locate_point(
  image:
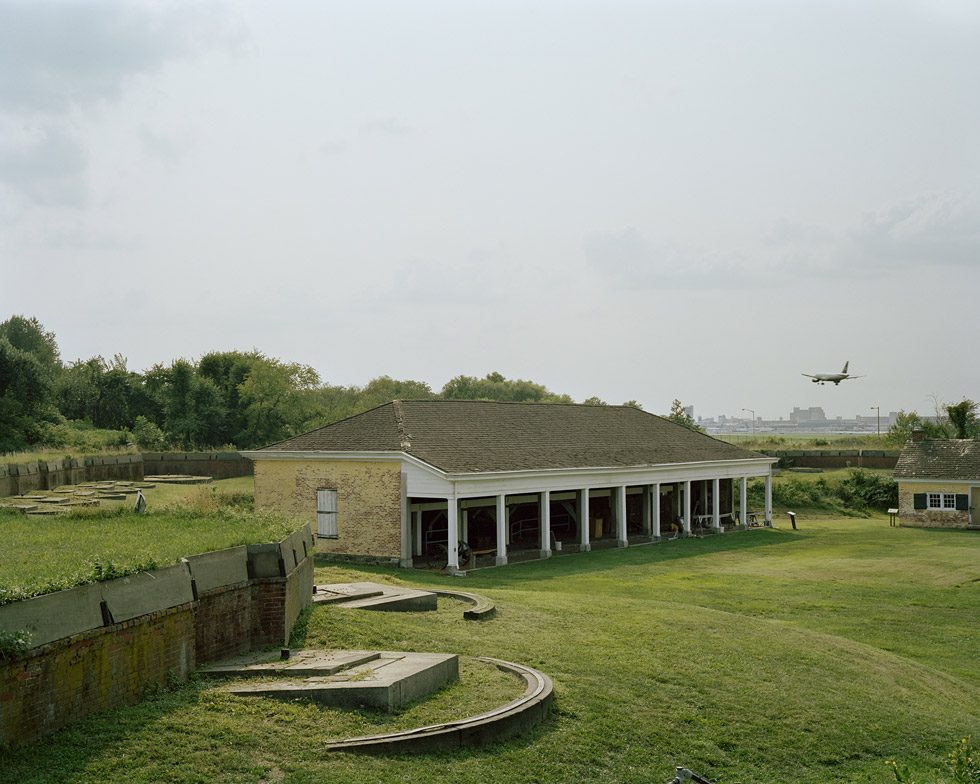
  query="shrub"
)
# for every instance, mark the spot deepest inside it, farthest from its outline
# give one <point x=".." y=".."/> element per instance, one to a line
<point x="148" y="435"/>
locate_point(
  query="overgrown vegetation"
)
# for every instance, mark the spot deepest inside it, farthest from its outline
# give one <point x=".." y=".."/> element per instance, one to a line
<point x="41" y="555"/>
<point x="853" y="492"/>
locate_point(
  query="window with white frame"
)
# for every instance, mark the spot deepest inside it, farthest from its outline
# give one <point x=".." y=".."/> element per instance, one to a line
<point x="946" y="501"/>
<point x="326" y="513"/>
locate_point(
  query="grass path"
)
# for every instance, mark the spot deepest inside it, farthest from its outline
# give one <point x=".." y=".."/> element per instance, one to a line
<point x="773" y="655"/>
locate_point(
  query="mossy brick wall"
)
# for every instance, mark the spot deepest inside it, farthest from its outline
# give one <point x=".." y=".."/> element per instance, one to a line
<point x="218" y="465"/>
<point x="909" y="516"/>
<point x="71" y="678"/>
<point x="368" y="501"/>
<point x="223" y="623"/>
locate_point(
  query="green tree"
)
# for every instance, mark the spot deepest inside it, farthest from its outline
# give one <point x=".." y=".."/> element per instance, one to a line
<point x="30" y="336"/>
<point x="277" y="397"/>
<point x="680" y="416"/>
<point x="963" y="419"/>
<point x="193" y="409"/>
<point x="494" y="386"/>
<point x="594" y="401"/>
<point x="633" y="404"/>
<point x="25" y="397"/>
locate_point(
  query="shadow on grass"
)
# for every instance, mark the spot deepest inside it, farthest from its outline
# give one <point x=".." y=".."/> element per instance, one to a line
<point x="592" y="562"/>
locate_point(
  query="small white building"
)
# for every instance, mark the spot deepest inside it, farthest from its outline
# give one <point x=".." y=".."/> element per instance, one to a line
<point x="466" y="483"/>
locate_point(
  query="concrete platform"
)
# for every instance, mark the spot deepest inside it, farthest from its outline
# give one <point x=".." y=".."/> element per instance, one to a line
<point x="375" y="596"/>
<point x="346" y="679"/>
<point x="178" y="479"/>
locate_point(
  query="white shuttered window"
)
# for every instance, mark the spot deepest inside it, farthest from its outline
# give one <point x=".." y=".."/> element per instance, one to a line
<point x="326" y="513"/>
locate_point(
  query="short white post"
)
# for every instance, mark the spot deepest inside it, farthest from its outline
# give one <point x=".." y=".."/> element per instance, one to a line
<point x="453" y="544"/>
<point x="544" y="522"/>
<point x="655" y="510"/>
<point x="583" y="520"/>
<point x="743" y="506"/>
<point x="769" y="498"/>
<point x="622" y="538"/>
<point x="501" y="558"/>
<point x="715" y="505"/>
<point x="687" y="507"/>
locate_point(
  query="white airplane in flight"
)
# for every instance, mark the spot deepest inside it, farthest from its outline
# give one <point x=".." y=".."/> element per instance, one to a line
<point x="836" y="378"/>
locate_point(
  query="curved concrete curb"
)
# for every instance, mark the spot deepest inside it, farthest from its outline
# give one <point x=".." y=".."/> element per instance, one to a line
<point x="483" y="609"/>
<point x="513" y="718"/>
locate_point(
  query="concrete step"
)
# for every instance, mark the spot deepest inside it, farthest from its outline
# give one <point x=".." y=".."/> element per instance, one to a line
<point x="377" y="596"/>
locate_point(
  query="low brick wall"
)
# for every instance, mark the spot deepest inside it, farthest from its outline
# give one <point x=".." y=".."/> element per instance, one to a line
<point x="843" y="458"/>
<point x="75" y="677"/>
<point x="86" y="663"/>
<point x="20" y="478"/>
<point x="218" y="465"/>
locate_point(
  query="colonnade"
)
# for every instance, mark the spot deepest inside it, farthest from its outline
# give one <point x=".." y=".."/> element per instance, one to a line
<point x="652" y="523"/>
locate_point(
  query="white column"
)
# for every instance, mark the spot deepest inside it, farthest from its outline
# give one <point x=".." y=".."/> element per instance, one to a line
<point x="769" y="497"/>
<point x="655" y="510"/>
<point x="583" y="517"/>
<point x="743" y="506"/>
<point x="501" y="559"/>
<point x="544" y="523"/>
<point x="647" y="511"/>
<point x="687" y="507"/>
<point x="417" y="522"/>
<point x="621" y="535"/>
<point x="464" y="525"/>
<point x="453" y="544"/>
<point x="715" y="504"/>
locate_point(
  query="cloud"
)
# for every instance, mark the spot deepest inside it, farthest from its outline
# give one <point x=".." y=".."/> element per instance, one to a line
<point x="59" y="61"/>
<point x="47" y="169"/>
<point x="390" y="127"/>
<point x="927" y="230"/>
<point x="932" y="228"/>
<point x="633" y="260"/>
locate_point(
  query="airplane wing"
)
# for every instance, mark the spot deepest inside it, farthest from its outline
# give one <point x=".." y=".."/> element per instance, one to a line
<point x="807" y="375"/>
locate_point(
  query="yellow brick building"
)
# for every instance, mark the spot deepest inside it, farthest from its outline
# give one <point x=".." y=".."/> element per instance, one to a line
<point x="939" y="483"/>
<point x="459" y="483"/>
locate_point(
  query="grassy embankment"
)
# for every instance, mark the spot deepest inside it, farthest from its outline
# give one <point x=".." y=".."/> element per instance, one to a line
<point x="42" y="554"/>
<point x="773" y="655"/>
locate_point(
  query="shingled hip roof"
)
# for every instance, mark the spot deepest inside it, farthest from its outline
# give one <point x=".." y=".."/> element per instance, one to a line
<point x="942" y="459"/>
<point x="465" y="436"/>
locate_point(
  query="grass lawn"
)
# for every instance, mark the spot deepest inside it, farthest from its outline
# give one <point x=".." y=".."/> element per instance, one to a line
<point x="771" y="655"/>
<point x="41" y="554"/>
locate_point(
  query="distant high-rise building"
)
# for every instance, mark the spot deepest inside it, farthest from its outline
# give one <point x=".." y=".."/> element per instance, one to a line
<point x="811" y="414"/>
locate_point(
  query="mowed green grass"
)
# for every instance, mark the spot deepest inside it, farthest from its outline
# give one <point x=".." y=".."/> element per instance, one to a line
<point x="770" y="655"/>
<point x="46" y="553"/>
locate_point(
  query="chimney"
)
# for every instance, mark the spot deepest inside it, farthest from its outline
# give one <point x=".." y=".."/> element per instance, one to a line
<point x="918" y="435"/>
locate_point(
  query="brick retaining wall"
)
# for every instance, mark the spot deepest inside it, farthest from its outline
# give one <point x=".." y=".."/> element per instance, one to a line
<point x="108" y="666"/>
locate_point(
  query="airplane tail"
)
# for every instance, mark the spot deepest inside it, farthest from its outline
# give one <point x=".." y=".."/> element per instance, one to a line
<point x="845" y="366"/>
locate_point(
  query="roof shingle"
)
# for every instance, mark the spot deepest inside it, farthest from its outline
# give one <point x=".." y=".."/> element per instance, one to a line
<point x="469" y="436"/>
<point x="939" y="459"/>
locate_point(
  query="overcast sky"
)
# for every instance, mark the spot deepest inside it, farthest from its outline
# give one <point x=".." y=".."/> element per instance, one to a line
<point x="640" y="200"/>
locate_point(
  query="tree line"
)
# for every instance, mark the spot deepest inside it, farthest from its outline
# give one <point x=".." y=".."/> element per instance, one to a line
<point x="225" y="399"/>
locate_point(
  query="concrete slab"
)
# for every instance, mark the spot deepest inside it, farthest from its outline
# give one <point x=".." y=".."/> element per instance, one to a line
<point x="55" y="615"/>
<point x="146" y="592"/>
<point x="300" y="664"/>
<point x="388" y="682"/>
<point x="376" y="596"/>
<point x="223" y="567"/>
